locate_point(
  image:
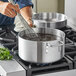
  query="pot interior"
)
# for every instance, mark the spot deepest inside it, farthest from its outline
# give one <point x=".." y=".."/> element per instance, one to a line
<point x="44" y="34"/>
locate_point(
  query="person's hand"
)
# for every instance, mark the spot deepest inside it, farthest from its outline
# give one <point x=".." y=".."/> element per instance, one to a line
<point x="8" y="9"/>
<point x="29" y="21"/>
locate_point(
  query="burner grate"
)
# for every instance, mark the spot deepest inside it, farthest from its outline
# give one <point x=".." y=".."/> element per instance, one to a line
<point x="70" y="49"/>
<point x="8" y="38"/>
<point x="70" y="33"/>
<point x="72" y="57"/>
<point x="33" y="68"/>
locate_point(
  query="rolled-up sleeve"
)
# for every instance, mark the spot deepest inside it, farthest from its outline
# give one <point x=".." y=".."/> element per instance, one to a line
<point x="24" y="3"/>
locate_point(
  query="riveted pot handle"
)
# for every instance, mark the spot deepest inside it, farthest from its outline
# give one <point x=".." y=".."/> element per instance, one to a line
<point x="60" y="43"/>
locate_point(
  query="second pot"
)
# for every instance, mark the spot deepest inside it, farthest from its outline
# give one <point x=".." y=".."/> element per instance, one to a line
<point x="50" y="20"/>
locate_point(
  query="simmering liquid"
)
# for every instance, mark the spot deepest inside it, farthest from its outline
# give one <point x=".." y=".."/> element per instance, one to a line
<point x="41" y="37"/>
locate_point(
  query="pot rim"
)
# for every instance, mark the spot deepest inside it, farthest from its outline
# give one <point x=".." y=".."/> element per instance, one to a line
<point x="19" y="34"/>
<point x="40" y="20"/>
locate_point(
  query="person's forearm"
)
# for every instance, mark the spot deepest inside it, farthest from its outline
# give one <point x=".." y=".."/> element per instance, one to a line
<point x="1" y="2"/>
<point x="26" y="12"/>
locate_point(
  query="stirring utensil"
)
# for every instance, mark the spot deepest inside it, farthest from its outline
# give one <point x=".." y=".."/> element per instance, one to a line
<point x="30" y="32"/>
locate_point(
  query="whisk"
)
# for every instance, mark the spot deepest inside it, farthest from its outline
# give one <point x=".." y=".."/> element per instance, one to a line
<point x="30" y="32"/>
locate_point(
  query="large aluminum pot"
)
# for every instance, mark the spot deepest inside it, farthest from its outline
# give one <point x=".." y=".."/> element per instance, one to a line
<point x="42" y="51"/>
<point x="50" y="20"/>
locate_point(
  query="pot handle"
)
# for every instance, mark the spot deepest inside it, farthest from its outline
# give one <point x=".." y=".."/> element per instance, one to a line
<point x="60" y="43"/>
<point x="56" y="45"/>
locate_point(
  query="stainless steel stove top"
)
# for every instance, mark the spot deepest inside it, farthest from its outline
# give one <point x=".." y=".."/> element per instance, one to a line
<point x="63" y="67"/>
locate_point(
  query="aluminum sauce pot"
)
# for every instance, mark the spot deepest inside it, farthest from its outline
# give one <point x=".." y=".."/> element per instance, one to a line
<point x="49" y="20"/>
<point x="42" y="51"/>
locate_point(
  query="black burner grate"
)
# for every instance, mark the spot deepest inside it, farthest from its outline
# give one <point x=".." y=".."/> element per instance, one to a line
<point x="8" y="38"/>
<point x="72" y="57"/>
<point x="70" y="33"/>
<point x="33" y="68"/>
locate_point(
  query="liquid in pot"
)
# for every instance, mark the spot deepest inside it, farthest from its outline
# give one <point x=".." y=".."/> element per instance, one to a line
<point x="42" y="37"/>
